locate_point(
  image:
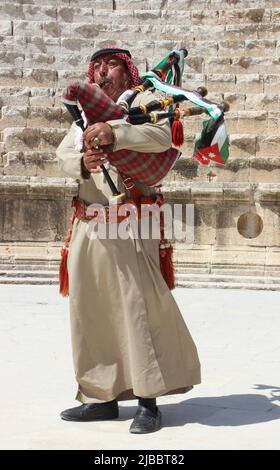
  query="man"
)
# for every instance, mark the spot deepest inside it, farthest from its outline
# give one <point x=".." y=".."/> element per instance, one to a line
<point x="128" y="336"/>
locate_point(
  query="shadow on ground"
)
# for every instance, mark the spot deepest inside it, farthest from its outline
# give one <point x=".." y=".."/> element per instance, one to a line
<point x="230" y="410"/>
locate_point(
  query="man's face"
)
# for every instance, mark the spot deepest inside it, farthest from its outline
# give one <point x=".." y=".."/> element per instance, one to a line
<point x="111" y="74"/>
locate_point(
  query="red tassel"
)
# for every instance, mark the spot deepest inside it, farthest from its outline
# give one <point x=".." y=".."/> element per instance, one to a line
<point x="177" y="129"/>
<point x="63" y="273"/>
<point x="166" y="264"/>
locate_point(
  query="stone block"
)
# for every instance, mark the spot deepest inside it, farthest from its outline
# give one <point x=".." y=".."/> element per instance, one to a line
<point x="271" y="82"/>
<point x="268" y="30"/>
<point x="272" y="256"/>
<point x="51" y="28"/>
<point x="26" y="220"/>
<point x="36" y="44"/>
<point x="199" y="255"/>
<point x="200" y="33"/>
<point x="237" y="32"/>
<point x="238" y="255"/>
<point x="39" y="77"/>
<point x="217" y="65"/>
<point x="247" y="121"/>
<point x="51" y="138"/>
<point x="270" y="235"/>
<point x="13" y="117"/>
<point x="269" y="146"/>
<point x="203" y="49"/>
<point x="74" y="15"/>
<point x="42" y="96"/>
<point x="38" y="12"/>
<point x="102" y="17"/>
<point x="260" y="47"/>
<point x="10" y="76"/>
<point x="252" y="83"/>
<point x="15" y="44"/>
<point x="22" y="28"/>
<point x="39" y="60"/>
<point x="21" y="138"/>
<point x="268" y="193"/>
<point x="229" y="48"/>
<point x="77" y="44"/>
<point x="243" y="145"/>
<point x="42" y="116"/>
<point x="96" y="4"/>
<point x="262" y="101"/>
<point x="31" y="164"/>
<point x="264" y="169"/>
<point x="11" y="10"/>
<point x="235" y="170"/>
<point x="273" y="123"/>
<point x="256" y="64"/>
<point x="206" y="193"/>
<point x="221" y="82"/>
<point x="235" y="193"/>
<point x="14" y="96"/>
<point x="15" y="59"/>
<point x="235" y="100"/>
<point x="5" y="28"/>
<point x="134" y="4"/>
<point x="204" y="16"/>
<point x="243" y="15"/>
<point x="205" y="224"/>
<point x="84" y="30"/>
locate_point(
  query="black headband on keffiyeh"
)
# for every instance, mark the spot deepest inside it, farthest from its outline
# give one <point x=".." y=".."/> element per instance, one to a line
<point x="122" y="54"/>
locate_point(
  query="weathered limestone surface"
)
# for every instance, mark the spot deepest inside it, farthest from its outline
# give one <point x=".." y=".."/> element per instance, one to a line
<point x="234" y="50"/>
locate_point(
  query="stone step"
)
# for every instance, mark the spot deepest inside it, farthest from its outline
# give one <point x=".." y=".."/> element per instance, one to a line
<point x="46" y="139"/>
<point x="13" y="268"/>
<point x="181" y="281"/>
<point x="206" y="64"/>
<point x="181" y="5"/>
<point x="41" y="97"/>
<point x="34" y="116"/>
<point x="154" y="23"/>
<point x="244" y="121"/>
<point x="28" y="280"/>
<point x="250" y="169"/>
<point x="238" y="168"/>
<point x="38" y="49"/>
<point x="139" y="11"/>
<point x="20" y="273"/>
<point x="188" y="279"/>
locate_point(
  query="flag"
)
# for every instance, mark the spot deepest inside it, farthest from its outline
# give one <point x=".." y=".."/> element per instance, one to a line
<point x="213" y="143"/>
<point x="193" y="96"/>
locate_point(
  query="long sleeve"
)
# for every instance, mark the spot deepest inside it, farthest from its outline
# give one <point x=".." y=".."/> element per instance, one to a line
<point x="69" y="159"/>
<point x="143" y="137"/>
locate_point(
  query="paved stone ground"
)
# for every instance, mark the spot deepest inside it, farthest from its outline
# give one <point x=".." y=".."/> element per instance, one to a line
<point x="236" y="406"/>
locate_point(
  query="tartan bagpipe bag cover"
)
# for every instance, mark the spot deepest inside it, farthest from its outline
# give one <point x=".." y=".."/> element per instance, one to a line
<point x="147" y="168"/>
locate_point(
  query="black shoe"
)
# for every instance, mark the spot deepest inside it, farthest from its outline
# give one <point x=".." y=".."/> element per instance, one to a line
<point x="145" y="421"/>
<point x="92" y="412"/>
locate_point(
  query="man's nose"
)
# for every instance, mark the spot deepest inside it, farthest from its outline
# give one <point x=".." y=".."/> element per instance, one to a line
<point x="103" y="68"/>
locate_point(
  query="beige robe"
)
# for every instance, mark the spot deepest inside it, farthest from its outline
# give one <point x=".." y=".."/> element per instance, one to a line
<point x="128" y="336"/>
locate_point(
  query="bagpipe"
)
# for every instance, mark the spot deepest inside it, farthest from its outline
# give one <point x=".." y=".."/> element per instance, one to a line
<point x="151" y="168"/>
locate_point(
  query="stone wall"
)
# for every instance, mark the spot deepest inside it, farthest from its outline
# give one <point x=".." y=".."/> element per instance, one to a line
<point x="234" y="50"/>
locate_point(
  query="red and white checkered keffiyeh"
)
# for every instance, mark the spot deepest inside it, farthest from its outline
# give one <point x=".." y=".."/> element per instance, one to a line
<point x="124" y="56"/>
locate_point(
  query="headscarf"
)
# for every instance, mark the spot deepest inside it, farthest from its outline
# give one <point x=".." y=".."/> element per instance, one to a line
<point x="122" y="54"/>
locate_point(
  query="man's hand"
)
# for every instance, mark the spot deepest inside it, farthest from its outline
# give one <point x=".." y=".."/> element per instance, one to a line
<point x="93" y="158"/>
<point x="102" y="131"/>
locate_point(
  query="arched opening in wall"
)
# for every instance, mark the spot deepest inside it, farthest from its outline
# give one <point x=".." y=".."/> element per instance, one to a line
<point x="250" y="225"/>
